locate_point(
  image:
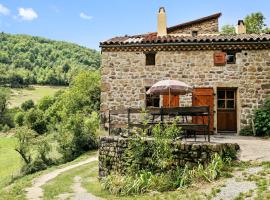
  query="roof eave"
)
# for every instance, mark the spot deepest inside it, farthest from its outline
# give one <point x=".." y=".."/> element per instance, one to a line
<point x="185" y="44"/>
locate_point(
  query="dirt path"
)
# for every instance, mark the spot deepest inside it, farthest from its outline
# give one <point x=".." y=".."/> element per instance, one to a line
<point x="36" y="193"/>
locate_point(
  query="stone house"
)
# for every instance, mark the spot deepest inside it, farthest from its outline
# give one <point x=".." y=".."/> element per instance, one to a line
<point x="230" y="73"/>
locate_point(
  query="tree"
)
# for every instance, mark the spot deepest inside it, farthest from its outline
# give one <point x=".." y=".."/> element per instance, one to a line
<point x="255" y="22"/>
<point x="228" y="29"/>
<point x="4" y="96"/>
<point x="25" y="138"/>
<point x="34" y="119"/>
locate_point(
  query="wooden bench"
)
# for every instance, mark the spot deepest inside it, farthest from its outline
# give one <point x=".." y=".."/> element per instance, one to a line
<point x="194" y="111"/>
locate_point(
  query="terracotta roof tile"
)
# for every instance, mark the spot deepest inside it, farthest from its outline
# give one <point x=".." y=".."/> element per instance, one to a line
<point x="154" y="39"/>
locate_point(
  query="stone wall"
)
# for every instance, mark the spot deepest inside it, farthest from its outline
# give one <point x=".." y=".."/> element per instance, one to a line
<point x="207" y="27"/>
<point x="125" y="76"/>
<point x="112" y="149"/>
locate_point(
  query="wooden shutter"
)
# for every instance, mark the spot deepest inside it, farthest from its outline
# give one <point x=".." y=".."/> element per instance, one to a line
<point x="174" y="101"/>
<point x="219" y="58"/>
<point x="204" y="97"/>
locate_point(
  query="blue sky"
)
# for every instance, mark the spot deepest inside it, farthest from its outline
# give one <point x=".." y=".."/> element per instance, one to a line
<point x="87" y="22"/>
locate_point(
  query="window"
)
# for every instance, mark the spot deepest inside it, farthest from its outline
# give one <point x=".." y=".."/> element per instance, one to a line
<point x="150" y="58"/>
<point x="152" y="100"/>
<point x="231" y="58"/>
<point x="226" y="98"/>
<point x="194" y="33"/>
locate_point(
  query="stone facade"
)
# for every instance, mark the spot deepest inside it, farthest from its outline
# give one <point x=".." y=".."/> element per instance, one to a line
<point x="125" y="76"/>
<point x="111" y="153"/>
<point x="206" y="27"/>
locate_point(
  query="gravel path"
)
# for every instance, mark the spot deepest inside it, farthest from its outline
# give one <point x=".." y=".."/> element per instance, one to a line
<point x="234" y="186"/>
<point x="80" y="193"/>
<point x="36" y="193"/>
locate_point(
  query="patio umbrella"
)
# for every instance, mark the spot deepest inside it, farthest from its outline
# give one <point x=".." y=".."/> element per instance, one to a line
<point x="168" y="87"/>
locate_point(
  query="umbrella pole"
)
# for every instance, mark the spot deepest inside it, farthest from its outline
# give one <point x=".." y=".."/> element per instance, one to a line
<point x="169" y="97"/>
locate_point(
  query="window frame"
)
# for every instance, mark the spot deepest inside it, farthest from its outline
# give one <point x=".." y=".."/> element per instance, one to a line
<point x="150" y="61"/>
<point x="194" y="33"/>
<point x="226" y="99"/>
<point x="234" y="57"/>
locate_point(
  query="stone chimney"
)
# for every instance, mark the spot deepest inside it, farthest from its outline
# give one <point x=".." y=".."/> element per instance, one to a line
<point x="240" y="27"/>
<point x="162" y="22"/>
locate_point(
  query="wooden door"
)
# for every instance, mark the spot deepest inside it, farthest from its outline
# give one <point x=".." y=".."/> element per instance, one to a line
<point x="174" y="101"/>
<point x="204" y="97"/>
<point x="226" y="110"/>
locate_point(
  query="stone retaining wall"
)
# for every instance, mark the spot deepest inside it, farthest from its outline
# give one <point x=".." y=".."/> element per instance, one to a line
<point x="112" y="149"/>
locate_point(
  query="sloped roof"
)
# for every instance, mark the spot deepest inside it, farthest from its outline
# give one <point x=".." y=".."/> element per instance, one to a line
<point x="152" y="38"/>
<point x="193" y="22"/>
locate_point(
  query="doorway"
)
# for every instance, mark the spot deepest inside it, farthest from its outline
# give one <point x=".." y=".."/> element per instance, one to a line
<point x="226" y="110"/>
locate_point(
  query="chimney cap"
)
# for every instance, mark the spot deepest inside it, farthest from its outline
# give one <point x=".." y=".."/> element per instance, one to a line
<point x="241" y="22"/>
<point x="161" y="9"/>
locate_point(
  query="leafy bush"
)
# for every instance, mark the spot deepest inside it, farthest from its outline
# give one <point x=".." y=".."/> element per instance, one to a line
<point x="19" y="118"/>
<point x="157" y="154"/>
<point x="246" y="131"/>
<point x="34" y="120"/>
<point x="27" y="105"/>
<point x="146" y="181"/>
<point x="262" y="119"/>
<point x="45" y="103"/>
<point x="77" y="135"/>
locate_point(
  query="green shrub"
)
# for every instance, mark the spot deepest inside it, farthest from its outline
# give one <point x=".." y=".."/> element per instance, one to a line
<point x="19" y="118"/>
<point x="34" y="119"/>
<point x="45" y="103"/>
<point x="157" y="154"/>
<point x="27" y="105"/>
<point x="262" y="119"/>
<point x="77" y="135"/>
<point x="246" y="131"/>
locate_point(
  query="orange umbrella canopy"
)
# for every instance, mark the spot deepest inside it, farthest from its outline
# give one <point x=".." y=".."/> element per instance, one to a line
<point x="168" y="87"/>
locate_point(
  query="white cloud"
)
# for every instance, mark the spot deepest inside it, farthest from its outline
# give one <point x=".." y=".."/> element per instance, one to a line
<point x="85" y="16"/>
<point x="27" y="14"/>
<point x="4" y="10"/>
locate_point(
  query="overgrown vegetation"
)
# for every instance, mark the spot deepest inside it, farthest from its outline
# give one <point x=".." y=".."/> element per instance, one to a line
<point x="150" y="166"/>
<point x="69" y="119"/>
<point x="28" y="60"/>
<point x="261" y="121"/>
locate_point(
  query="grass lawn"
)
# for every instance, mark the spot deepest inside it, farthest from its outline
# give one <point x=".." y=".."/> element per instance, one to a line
<point x="34" y="92"/>
<point x="10" y="161"/>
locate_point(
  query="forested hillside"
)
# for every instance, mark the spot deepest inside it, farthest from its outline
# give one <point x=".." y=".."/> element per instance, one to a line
<point x="34" y="60"/>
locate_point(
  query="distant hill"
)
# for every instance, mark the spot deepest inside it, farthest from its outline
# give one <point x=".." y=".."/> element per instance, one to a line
<point x="28" y="59"/>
